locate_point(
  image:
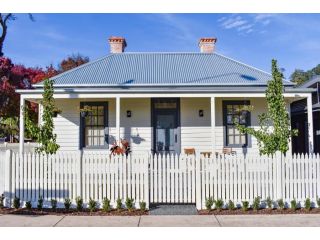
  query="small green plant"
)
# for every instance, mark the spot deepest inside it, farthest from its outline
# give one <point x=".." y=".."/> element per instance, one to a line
<point x="106" y="205"/>
<point x="269" y="202"/>
<point x="28" y="205"/>
<point x="209" y="203"/>
<point x="79" y="203"/>
<point x="307" y="204"/>
<point x="219" y="204"/>
<point x="143" y="205"/>
<point x="40" y="203"/>
<point x="293" y="205"/>
<point x="1" y="201"/>
<point x="54" y="204"/>
<point x="256" y="203"/>
<point x="245" y="205"/>
<point x="318" y="202"/>
<point x="119" y="204"/>
<point x="231" y="205"/>
<point x="16" y="202"/>
<point x="92" y="205"/>
<point x="67" y="203"/>
<point x="129" y="203"/>
<point x="280" y="203"/>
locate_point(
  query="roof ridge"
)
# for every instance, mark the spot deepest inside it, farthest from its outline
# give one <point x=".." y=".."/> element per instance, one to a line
<point x="247" y="65"/>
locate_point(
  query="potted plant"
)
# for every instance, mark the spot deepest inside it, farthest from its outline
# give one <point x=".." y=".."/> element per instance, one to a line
<point x="84" y="112"/>
<point x="56" y="111"/>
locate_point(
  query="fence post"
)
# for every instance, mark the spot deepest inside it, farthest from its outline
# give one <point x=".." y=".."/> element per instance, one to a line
<point x="146" y="178"/>
<point x="7" y="180"/>
<point x="198" y="183"/>
<point x="279" y="174"/>
<point x="79" y="174"/>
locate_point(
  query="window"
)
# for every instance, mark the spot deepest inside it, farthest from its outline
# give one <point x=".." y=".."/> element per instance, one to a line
<point x="235" y="111"/>
<point x="94" y="132"/>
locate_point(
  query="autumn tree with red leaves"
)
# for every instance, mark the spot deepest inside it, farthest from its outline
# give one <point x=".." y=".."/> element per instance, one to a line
<point x="72" y="62"/>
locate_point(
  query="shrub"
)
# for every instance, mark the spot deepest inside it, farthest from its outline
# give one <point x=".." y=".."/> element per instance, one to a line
<point x="209" y="203"/>
<point x="106" y="205"/>
<point x="67" y="203"/>
<point x="219" y="204"/>
<point x="119" y="204"/>
<point x="16" y="202"/>
<point x="1" y="201"/>
<point x="307" y="204"/>
<point x="54" y="204"/>
<point x="231" y="205"/>
<point x="256" y="203"/>
<point x="40" y="203"/>
<point x="79" y="203"/>
<point x="143" y="205"/>
<point x="28" y="205"/>
<point x="318" y="202"/>
<point x="92" y="205"/>
<point x="129" y="203"/>
<point x="245" y="205"/>
<point x="269" y="202"/>
<point x="280" y="203"/>
<point x="293" y="204"/>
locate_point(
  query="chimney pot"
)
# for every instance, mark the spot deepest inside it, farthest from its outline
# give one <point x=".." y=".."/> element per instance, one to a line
<point x="207" y="45"/>
<point x="117" y="44"/>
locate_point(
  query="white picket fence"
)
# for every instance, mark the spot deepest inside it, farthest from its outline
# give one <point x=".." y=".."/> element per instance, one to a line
<point x="2" y="171"/>
<point x="157" y="179"/>
<point x="71" y="174"/>
<point x="242" y="178"/>
<point x="172" y="179"/>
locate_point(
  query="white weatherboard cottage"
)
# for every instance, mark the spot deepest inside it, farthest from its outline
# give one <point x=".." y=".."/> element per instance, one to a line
<point x="161" y="102"/>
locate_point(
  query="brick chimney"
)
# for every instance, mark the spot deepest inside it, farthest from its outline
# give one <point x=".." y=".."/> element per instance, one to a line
<point x="207" y="45"/>
<point x="117" y="44"/>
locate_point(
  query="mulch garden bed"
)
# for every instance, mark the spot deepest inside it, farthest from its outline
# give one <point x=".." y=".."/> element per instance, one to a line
<point x="73" y="212"/>
<point x="260" y="211"/>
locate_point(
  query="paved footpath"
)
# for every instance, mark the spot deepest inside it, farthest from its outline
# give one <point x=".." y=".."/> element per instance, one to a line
<point x="311" y="220"/>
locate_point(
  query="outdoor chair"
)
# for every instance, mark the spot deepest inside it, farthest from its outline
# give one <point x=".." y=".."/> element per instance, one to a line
<point x="189" y="151"/>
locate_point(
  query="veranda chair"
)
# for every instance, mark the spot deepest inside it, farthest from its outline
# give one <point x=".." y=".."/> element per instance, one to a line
<point x="190" y="151"/>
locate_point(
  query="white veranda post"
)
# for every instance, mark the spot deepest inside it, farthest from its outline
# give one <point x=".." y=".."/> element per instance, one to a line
<point x="310" y="123"/>
<point x="21" y="128"/>
<point x="213" y="124"/>
<point x="118" y="120"/>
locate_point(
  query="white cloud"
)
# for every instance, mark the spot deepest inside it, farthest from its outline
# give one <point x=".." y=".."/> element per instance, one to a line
<point x="245" y="27"/>
<point x="247" y="24"/>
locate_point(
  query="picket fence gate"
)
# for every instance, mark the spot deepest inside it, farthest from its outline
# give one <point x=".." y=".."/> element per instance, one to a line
<point x="157" y="178"/>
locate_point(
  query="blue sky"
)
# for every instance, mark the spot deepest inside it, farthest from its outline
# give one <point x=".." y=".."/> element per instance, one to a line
<point x="292" y="39"/>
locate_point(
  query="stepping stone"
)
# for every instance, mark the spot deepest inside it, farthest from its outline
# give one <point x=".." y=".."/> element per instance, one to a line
<point x="173" y="209"/>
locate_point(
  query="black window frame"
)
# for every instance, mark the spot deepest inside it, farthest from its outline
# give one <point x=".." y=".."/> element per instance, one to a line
<point x="83" y="125"/>
<point x="225" y="103"/>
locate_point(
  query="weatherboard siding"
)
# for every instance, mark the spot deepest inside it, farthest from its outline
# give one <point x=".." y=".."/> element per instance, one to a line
<point x="195" y="130"/>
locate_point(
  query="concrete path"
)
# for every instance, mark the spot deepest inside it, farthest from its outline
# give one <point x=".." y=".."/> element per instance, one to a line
<point x="176" y="209"/>
<point x="310" y="220"/>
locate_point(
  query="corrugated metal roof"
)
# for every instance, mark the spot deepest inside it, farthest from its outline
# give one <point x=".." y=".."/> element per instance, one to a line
<point x="152" y="69"/>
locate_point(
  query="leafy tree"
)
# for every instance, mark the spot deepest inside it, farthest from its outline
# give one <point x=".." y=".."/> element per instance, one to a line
<point x="299" y="76"/>
<point x="14" y="77"/>
<point x="275" y="131"/>
<point x="72" y="62"/>
<point x="4" y="20"/>
<point x="44" y="133"/>
<point x="10" y="127"/>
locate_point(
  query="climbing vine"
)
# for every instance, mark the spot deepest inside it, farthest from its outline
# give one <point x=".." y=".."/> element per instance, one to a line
<point x="44" y="133"/>
<point x="275" y="130"/>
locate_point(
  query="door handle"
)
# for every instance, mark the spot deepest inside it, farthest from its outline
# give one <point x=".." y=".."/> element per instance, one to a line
<point x="176" y="138"/>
